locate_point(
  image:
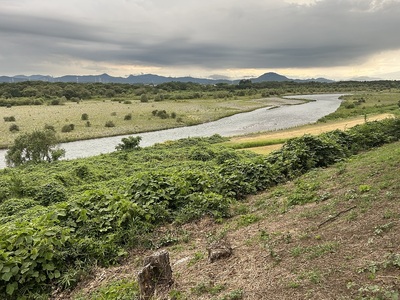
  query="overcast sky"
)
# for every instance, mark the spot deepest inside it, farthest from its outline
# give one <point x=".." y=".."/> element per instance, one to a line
<point x="337" y="39"/>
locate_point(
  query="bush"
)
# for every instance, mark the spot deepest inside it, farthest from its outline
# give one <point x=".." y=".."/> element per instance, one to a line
<point x="51" y="193"/>
<point x="85" y="117"/>
<point x="49" y="127"/>
<point x="128" y="117"/>
<point x="12" y="206"/>
<point x="68" y="128"/>
<point x="56" y="102"/>
<point x="109" y="124"/>
<point x="144" y="98"/>
<point x="9" y="119"/>
<point x="162" y="114"/>
<point x="159" y="98"/>
<point x="14" y="128"/>
<point x="129" y="143"/>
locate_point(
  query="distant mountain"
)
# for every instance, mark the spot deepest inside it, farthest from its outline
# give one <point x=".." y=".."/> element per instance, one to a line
<point x="271" y="76"/>
<point x="148" y="79"/>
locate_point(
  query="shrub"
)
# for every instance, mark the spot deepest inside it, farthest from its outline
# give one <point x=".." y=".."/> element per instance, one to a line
<point x="12" y="206"/>
<point x="109" y="124"/>
<point x="201" y="153"/>
<point x="173" y="115"/>
<point x="129" y="143"/>
<point x="14" y="128"/>
<point x="200" y="204"/>
<point x="127" y="102"/>
<point x="113" y="114"/>
<point x="144" y="98"/>
<point x="51" y="193"/>
<point x="162" y="114"/>
<point x="9" y="119"/>
<point x="49" y="127"/>
<point x="56" y="102"/>
<point x="349" y="105"/>
<point x="82" y="171"/>
<point x="68" y="128"/>
<point x="87" y="124"/>
<point x="128" y="117"/>
<point x="159" y="97"/>
<point x="85" y="117"/>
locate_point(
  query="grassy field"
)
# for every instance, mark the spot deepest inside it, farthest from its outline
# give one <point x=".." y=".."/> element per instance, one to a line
<point x="188" y="112"/>
<point x="359" y="104"/>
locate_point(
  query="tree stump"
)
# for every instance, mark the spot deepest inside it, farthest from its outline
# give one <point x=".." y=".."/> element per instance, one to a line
<point x="156" y="274"/>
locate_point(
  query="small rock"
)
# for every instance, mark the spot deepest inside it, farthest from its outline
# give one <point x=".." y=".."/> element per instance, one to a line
<point x="219" y="249"/>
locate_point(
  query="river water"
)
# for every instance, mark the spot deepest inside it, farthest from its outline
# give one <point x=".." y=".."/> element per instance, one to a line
<point x="263" y="119"/>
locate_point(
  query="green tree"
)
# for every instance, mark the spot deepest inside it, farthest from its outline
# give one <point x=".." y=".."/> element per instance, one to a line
<point x="35" y="147"/>
<point x="129" y="143"/>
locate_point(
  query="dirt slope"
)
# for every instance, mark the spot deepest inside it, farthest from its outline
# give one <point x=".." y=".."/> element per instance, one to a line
<point x="342" y="243"/>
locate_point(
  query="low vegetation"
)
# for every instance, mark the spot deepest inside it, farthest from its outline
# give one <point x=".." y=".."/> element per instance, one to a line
<point x="74" y="215"/>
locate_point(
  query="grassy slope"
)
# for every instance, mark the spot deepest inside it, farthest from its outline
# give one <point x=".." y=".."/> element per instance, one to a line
<point x="317" y="250"/>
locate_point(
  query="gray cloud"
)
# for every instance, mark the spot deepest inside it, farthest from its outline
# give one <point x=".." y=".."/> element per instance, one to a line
<point x="210" y="34"/>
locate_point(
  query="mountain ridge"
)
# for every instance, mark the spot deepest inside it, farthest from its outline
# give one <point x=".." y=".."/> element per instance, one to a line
<point x="150" y="79"/>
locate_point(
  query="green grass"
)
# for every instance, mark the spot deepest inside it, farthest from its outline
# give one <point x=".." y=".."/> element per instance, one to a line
<point x="116" y="290"/>
<point x="188" y="112"/>
<point x="364" y="104"/>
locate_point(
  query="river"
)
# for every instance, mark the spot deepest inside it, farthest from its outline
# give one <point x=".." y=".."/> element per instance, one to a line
<point x="263" y="119"/>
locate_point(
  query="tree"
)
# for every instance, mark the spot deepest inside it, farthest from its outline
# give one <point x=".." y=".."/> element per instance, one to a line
<point x="129" y="143"/>
<point x="35" y="147"/>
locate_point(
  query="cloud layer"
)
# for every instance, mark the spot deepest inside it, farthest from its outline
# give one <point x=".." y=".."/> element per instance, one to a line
<point x="218" y="34"/>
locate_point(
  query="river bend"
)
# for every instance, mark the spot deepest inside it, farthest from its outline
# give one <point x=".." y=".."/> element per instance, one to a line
<point x="263" y="119"/>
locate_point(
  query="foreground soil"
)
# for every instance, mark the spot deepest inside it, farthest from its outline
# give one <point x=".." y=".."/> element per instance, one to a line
<point x="341" y="240"/>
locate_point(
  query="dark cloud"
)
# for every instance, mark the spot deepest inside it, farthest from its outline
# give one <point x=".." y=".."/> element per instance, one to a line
<point x="210" y="34"/>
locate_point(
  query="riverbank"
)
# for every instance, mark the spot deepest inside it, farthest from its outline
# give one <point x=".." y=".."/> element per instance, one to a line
<point x="259" y="120"/>
<point x="264" y="143"/>
<point x="89" y="118"/>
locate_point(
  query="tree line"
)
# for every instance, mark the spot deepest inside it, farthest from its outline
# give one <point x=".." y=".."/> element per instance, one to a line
<point x="39" y="92"/>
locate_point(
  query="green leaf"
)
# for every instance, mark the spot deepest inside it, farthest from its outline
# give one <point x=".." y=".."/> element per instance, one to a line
<point x="49" y="266"/>
<point x="50" y="233"/>
<point x="7" y="276"/>
<point x="11" y="287"/>
<point x="15" y="270"/>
